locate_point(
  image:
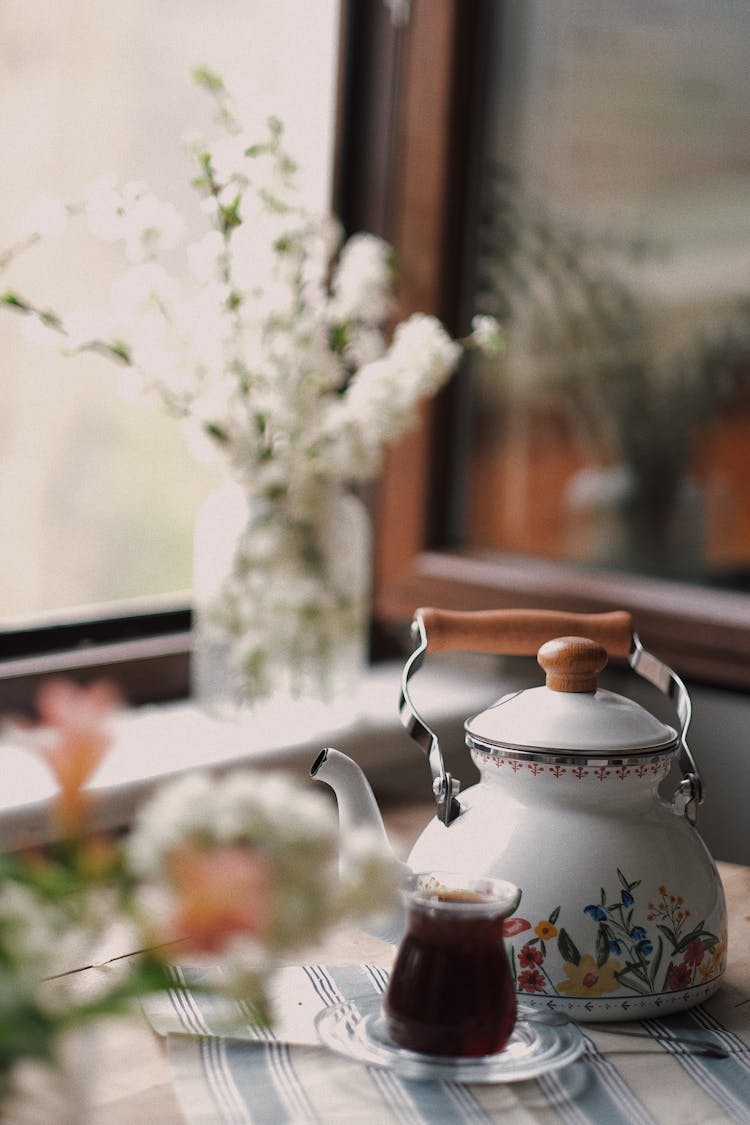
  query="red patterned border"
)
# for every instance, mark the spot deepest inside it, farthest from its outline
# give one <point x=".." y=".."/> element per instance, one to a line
<point x="653" y="767"/>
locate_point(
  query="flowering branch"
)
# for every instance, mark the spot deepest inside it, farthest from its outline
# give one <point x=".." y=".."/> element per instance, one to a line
<point x="274" y="346"/>
<point x="271" y="346"/>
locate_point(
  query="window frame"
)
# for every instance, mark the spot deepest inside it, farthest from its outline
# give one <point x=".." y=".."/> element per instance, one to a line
<point x="409" y="116"/>
<point x="145" y="649"/>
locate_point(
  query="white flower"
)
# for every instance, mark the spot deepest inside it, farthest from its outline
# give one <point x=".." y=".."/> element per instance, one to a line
<point x="204" y="256"/>
<point x="209" y="206"/>
<point x="143" y="289"/>
<point x="364" y="344"/>
<point x="214" y="404"/>
<point x="104" y="209"/>
<point x="179" y="811"/>
<point x="150" y="224"/>
<point x="422" y="347"/>
<point x="134" y="215"/>
<point x="229" y="162"/>
<point x="486" y="334"/>
<point x="377" y="395"/>
<point x="254" y="259"/>
<point x="86" y="325"/>
<point x="44" y="217"/>
<point x="362" y="281"/>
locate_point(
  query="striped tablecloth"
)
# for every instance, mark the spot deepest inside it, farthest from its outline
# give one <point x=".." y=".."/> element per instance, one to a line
<point x="254" y="1078"/>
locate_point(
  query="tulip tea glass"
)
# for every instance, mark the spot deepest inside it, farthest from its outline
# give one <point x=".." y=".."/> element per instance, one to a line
<point x="450" y="991"/>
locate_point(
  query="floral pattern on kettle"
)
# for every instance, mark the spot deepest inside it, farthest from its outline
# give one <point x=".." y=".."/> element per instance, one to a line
<point x="669" y="953"/>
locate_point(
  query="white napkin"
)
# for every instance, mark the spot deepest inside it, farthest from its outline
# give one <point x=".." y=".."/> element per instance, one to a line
<point x="297" y="993"/>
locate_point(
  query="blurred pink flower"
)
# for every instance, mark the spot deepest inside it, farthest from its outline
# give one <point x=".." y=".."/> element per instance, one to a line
<point x="220" y="893"/>
<point x="71" y="738"/>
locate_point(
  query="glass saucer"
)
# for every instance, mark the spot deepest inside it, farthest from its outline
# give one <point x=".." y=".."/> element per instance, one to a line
<point x="533" y="1049"/>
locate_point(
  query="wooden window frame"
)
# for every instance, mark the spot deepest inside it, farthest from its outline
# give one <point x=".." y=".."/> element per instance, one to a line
<point x="409" y="123"/>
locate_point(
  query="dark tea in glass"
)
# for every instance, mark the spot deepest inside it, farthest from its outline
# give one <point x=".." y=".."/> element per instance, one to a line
<point x="450" y="990"/>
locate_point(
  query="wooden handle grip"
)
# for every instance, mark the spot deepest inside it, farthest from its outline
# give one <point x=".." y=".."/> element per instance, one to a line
<point x="522" y="632"/>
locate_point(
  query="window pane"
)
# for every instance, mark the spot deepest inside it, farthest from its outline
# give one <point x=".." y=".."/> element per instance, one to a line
<point x="98" y="494"/>
<point x="615" y="245"/>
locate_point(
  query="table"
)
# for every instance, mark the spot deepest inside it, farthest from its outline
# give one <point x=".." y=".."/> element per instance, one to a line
<point x="134" y="1082"/>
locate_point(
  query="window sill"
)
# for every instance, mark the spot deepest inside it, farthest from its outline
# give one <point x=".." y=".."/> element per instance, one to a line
<point x="154" y="743"/>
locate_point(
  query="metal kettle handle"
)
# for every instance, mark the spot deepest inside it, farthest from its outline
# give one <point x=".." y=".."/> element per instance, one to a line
<point x="689" y="793"/>
<point x="520" y="632"/>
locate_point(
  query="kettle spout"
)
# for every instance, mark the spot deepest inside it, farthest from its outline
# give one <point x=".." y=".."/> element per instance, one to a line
<point x="359" y="810"/>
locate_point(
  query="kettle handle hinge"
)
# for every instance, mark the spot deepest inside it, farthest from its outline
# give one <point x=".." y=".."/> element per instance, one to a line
<point x="689" y="792"/>
<point x="444" y="787"/>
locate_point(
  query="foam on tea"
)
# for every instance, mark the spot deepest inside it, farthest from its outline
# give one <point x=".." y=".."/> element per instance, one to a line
<point x="454" y="896"/>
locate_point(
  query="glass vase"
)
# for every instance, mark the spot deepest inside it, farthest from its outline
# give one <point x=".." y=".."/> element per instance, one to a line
<point x="281" y="600"/>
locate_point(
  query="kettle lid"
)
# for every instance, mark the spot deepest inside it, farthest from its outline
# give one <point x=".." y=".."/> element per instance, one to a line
<point x="570" y="714"/>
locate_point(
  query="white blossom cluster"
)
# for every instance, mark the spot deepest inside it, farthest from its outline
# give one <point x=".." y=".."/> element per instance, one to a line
<point x="41" y="939"/>
<point x="293" y="832"/>
<point x="265" y="810"/>
<point x="267" y="334"/>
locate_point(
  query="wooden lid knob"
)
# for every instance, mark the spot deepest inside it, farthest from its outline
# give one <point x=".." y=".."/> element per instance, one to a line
<point x="572" y="663"/>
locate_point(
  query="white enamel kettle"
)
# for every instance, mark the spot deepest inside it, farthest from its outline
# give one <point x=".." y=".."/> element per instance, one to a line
<point x="622" y="912"/>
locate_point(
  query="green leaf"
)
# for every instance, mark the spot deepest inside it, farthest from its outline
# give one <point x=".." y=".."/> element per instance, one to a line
<point x="554" y="915"/>
<point x="624" y="882"/>
<point x="602" y="946"/>
<point x="288" y="166"/>
<point x="338" y="337"/>
<point x="206" y="78"/>
<point x="122" y="351"/>
<point x="631" y="967"/>
<point x="215" y="431"/>
<point x="230" y="214"/>
<point x="275" y="126"/>
<point x="695" y="933"/>
<point x="668" y="934"/>
<point x="625" y="978"/>
<point x="568" y="949"/>
<point x="656" y="962"/>
<point x="513" y="908"/>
